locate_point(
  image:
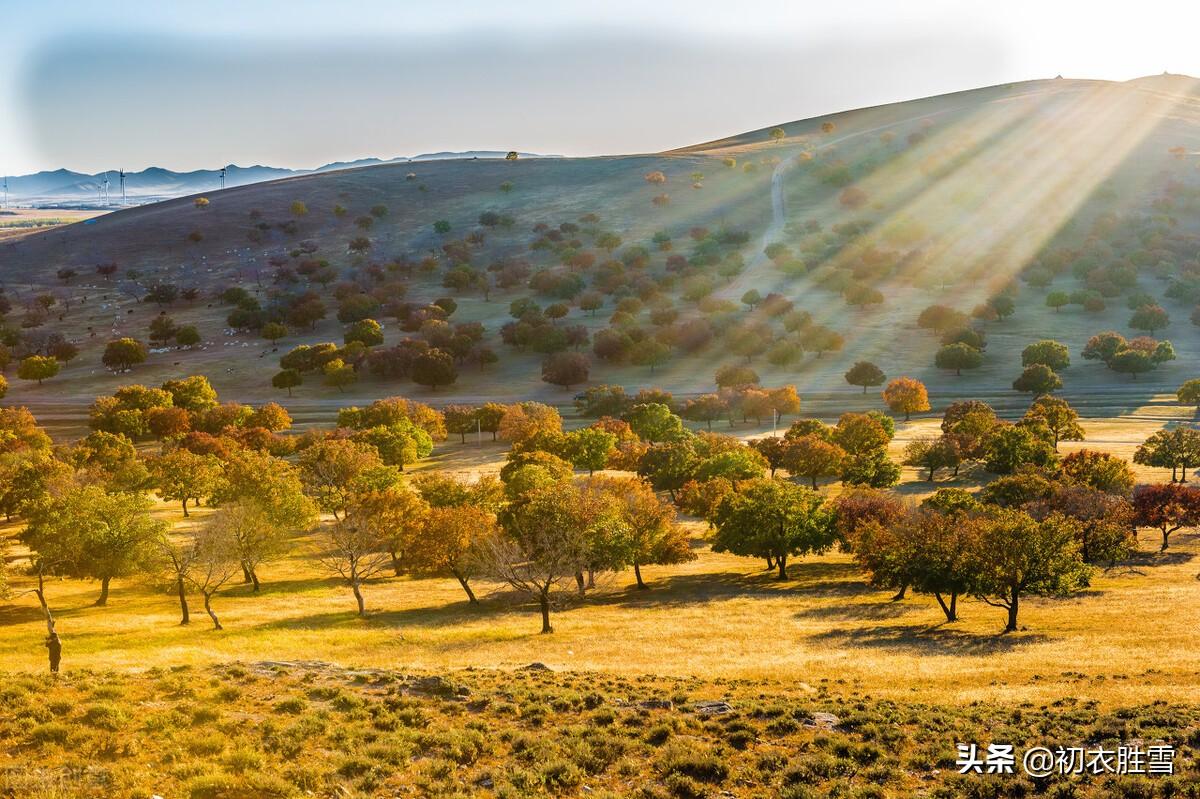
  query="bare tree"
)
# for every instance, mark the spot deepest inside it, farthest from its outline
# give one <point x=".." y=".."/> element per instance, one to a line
<point x="177" y="558"/>
<point x="356" y="552"/>
<point x="214" y="561"/>
<point x="543" y="545"/>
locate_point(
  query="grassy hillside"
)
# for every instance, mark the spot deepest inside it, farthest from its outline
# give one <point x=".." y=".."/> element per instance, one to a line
<point x="1023" y="189"/>
<point x="278" y="729"/>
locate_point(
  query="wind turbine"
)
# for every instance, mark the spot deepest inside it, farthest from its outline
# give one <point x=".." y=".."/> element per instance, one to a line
<point x="122" y="176"/>
<point x="104" y="189"/>
<point x="222" y="177"/>
<point x="6" y="191"/>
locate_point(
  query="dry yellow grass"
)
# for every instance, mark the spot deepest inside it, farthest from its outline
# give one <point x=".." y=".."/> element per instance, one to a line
<point x="1131" y="637"/>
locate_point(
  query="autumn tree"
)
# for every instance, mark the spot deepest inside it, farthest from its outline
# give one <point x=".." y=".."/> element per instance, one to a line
<point x="565" y="369"/>
<point x="706" y="408"/>
<point x="434" y="368"/>
<point x="773" y="519"/>
<point x="526" y="419"/>
<point x="1174" y="449"/>
<point x="1007" y="447"/>
<point x="38" y="367"/>
<point x="1059" y="417"/>
<point x="927" y="550"/>
<point x="812" y="457"/>
<point x="542" y="545"/>
<point x="933" y="454"/>
<point x="397" y="516"/>
<point x="176" y="559"/>
<point x="460" y="420"/>
<point x="1018" y="555"/>
<point x="93" y="534"/>
<point x="332" y="470"/>
<point x="449" y="543"/>
<point x="1038" y="380"/>
<point x="123" y="354"/>
<point x="668" y="466"/>
<point x="865" y="374"/>
<point x="958" y="356"/>
<point x="906" y="395"/>
<point x="181" y="476"/>
<point x="339" y="374"/>
<point x="1099" y="471"/>
<point x="1149" y="318"/>
<point x="589" y="448"/>
<point x="1166" y="506"/>
<point x="653" y="534"/>
<point x="1047" y="353"/>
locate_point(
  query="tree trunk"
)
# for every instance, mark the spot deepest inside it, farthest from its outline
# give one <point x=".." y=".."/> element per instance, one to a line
<point x="467" y="587"/>
<point x="254" y="579"/>
<point x="591" y="578"/>
<point x="579" y="583"/>
<point x="814" y="484"/>
<point x="103" y="600"/>
<point x="544" y="603"/>
<point x="395" y="562"/>
<point x="931" y="470"/>
<point x="358" y="597"/>
<point x="40" y="591"/>
<point x="185" y="510"/>
<point x="208" y="609"/>
<point x="950" y="610"/>
<point x="245" y="573"/>
<point x="901" y="593"/>
<point x="1013" y="606"/>
<point x="637" y="572"/>
<point x="1166" y="541"/>
<point x="770" y="563"/>
<point x="782" y="562"/>
<point x="183" y="605"/>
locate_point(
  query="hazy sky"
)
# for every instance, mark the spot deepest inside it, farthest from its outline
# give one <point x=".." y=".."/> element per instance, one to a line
<point x="126" y="83"/>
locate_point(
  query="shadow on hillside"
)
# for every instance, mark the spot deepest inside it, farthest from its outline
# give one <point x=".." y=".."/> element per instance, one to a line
<point x="917" y="639"/>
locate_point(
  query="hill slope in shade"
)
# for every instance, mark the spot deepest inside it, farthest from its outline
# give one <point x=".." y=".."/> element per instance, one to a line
<point x="1088" y="188"/>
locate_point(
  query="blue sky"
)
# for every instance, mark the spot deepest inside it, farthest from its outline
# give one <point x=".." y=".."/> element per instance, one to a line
<point x="90" y="86"/>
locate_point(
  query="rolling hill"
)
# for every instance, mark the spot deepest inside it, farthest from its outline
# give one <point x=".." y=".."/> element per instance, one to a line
<point x="63" y="186"/>
<point x="857" y="221"/>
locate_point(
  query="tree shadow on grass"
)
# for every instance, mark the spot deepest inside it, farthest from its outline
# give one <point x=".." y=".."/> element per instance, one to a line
<point x="832" y="580"/>
<point x="269" y="586"/>
<point x="1144" y="559"/>
<point x="19" y="614"/>
<point x="447" y="615"/>
<point x="879" y="608"/>
<point x="923" y="639"/>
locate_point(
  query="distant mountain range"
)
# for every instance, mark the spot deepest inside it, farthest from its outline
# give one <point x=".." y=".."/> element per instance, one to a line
<point x="64" y="187"/>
